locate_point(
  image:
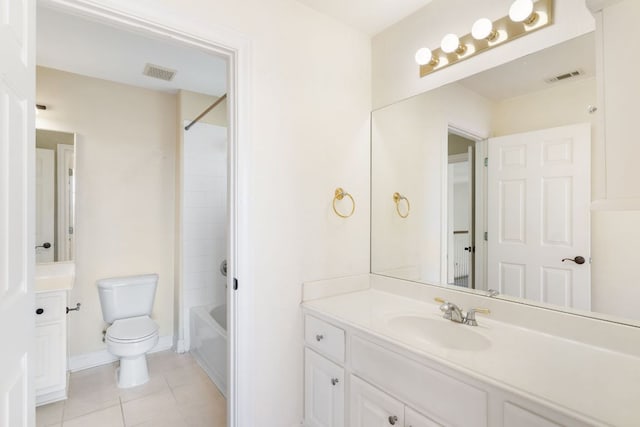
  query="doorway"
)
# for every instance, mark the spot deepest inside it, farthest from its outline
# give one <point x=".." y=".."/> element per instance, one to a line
<point x="236" y="74"/>
<point x="460" y="210"/>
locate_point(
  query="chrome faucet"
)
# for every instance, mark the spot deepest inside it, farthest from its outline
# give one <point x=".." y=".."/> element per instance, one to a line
<point x="455" y="314"/>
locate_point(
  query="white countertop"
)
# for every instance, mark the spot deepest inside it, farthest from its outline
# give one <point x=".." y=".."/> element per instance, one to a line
<point x="566" y="375"/>
<point x="54" y="276"/>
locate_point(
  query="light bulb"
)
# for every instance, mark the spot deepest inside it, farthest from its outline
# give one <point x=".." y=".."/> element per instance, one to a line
<point x="450" y="43"/>
<point x="522" y="11"/>
<point x="424" y="56"/>
<point x="483" y="29"/>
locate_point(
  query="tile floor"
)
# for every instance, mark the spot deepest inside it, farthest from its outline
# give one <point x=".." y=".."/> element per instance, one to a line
<point x="179" y="394"/>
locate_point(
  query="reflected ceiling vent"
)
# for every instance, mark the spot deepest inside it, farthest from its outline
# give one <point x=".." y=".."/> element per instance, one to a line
<point x="565" y="76"/>
<point x="158" y="72"/>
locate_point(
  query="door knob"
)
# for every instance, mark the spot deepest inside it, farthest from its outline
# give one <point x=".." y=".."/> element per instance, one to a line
<point x="45" y="245"/>
<point x="578" y="260"/>
<point x="393" y="419"/>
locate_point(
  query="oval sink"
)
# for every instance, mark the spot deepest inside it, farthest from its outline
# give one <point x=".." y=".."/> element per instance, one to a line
<point x="446" y="333"/>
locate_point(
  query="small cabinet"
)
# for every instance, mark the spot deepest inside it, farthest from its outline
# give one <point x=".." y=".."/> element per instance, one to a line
<point x="51" y="347"/>
<point x="324" y="391"/>
<point x="371" y="407"/>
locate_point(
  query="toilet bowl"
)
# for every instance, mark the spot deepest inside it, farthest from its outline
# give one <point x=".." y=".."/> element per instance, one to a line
<point x="130" y="340"/>
<point x="126" y="304"/>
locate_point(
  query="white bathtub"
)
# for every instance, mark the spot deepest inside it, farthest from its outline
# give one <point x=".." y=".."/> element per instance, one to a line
<point x="208" y="331"/>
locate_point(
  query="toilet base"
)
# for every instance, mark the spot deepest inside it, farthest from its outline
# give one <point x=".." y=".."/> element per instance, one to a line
<point x="132" y="371"/>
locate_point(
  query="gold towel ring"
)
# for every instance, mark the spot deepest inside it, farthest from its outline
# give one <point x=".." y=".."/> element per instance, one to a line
<point x="397" y="197"/>
<point x="339" y="195"/>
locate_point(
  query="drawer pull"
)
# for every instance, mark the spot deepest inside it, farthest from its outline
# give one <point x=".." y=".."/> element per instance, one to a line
<point x="334" y="381"/>
<point x="319" y="337"/>
<point x="393" y="420"/>
<point x="39" y="311"/>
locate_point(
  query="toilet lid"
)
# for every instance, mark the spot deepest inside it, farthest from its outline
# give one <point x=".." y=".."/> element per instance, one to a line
<point x="132" y="329"/>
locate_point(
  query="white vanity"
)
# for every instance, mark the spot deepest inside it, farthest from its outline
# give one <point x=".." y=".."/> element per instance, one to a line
<point x="53" y="283"/>
<point x="381" y="354"/>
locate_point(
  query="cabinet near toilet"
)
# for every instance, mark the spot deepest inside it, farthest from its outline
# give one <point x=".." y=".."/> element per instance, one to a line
<point x="50" y="368"/>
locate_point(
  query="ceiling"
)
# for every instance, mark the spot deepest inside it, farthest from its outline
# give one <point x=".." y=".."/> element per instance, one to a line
<point x="70" y="43"/>
<point x="528" y="74"/>
<point x="369" y="16"/>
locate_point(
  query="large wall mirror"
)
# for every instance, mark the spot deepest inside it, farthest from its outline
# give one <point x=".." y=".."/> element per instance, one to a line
<point x="55" y="188"/>
<point x="484" y="185"/>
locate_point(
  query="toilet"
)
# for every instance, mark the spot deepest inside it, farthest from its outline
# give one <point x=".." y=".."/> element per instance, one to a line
<point x="126" y="305"/>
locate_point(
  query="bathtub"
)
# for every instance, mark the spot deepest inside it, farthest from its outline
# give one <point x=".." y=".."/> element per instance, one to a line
<point x="208" y="329"/>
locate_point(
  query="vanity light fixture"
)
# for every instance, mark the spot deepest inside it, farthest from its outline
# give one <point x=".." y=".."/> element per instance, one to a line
<point x="451" y="43"/>
<point x="522" y="11"/>
<point x="525" y="16"/>
<point x="483" y="30"/>
<point x="424" y="56"/>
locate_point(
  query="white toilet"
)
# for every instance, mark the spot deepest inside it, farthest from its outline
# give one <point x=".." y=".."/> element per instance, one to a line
<point x="126" y="304"/>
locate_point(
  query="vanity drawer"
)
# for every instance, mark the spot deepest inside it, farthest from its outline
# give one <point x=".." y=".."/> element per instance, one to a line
<point x="441" y="397"/>
<point x="324" y="337"/>
<point x="51" y="306"/>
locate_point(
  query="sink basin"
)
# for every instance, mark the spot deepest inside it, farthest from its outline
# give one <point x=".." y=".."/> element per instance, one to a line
<point x="54" y="276"/>
<point x="454" y="336"/>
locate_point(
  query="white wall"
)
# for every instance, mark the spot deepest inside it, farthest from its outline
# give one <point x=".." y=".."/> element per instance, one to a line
<point x="126" y="139"/>
<point x="396" y="75"/>
<point x="559" y="105"/>
<point x="309" y="132"/>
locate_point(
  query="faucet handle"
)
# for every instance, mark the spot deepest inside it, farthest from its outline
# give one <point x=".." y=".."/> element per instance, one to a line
<point x="445" y="307"/>
<point x="470" y="318"/>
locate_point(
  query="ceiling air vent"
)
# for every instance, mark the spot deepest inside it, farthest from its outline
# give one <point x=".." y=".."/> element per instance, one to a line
<point x="158" y="72"/>
<point x="565" y="76"/>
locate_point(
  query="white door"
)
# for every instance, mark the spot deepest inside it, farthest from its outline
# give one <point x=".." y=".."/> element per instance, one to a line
<point x="371" y="407"/>
<point x="17" y="255"/>
<point x="66" y="199"/>
<point x="324" y="392"/>
<point x="45" y="203"/>
<point x="539" y="189"/>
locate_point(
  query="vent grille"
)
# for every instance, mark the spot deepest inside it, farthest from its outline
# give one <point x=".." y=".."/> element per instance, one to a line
<point x="565" y="76"/>
<point x="158" y="72"/>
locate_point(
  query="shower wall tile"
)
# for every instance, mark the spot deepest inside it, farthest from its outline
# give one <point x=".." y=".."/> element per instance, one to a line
<point x="204" y="218"/>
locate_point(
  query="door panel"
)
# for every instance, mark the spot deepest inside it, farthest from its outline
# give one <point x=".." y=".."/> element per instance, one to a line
<point x="371" y="407"/>
<point x="45" y="203"/>
<point x="538" y="214"/>
<point x="324" y="392"/>
<point x="17" y="255"/>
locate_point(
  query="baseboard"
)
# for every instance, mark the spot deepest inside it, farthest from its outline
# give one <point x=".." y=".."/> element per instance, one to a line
<point x="103" y="357"/>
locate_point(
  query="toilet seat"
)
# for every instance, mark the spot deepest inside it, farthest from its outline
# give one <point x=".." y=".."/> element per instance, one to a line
<point x="134" y="329"/>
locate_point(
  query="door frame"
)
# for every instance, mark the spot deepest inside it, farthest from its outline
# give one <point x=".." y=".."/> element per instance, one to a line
<point x="480" y="190"/>
<point x="236" y="49"/>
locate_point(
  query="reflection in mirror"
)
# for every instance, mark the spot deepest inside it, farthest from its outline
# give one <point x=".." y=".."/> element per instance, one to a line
<point x="497" y="167"/>
<point x="55" y="186"/>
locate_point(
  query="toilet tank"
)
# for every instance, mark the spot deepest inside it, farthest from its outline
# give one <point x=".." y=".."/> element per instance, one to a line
<point x="129" y="296"/>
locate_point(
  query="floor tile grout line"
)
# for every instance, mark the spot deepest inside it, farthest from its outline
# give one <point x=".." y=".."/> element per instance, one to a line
<point x="124" y="423"/>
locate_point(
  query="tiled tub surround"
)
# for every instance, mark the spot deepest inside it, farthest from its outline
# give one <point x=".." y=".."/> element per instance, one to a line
<point x="585" y="369"/>
<point x="178" y="394"/>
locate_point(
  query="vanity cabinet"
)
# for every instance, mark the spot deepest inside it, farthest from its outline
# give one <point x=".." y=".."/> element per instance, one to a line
<point x="51" y="347"/>
<point x="324" y="390"/>
<point x="371" y="407"/>
<point x="388" y="385"/>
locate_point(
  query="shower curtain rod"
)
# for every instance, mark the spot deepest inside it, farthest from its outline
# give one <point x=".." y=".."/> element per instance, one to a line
<point x="211" y="107"/>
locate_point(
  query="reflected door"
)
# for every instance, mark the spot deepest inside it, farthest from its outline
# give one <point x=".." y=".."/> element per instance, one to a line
<point x="45" y="188"/>
<point x="538" y="215"/>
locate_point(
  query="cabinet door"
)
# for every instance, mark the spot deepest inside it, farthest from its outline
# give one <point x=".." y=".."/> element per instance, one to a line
<point x="414" y="419"/>
<point x="323" y="392"/>
<point x="50" y="364"/>
<point x="371" y="407"/>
